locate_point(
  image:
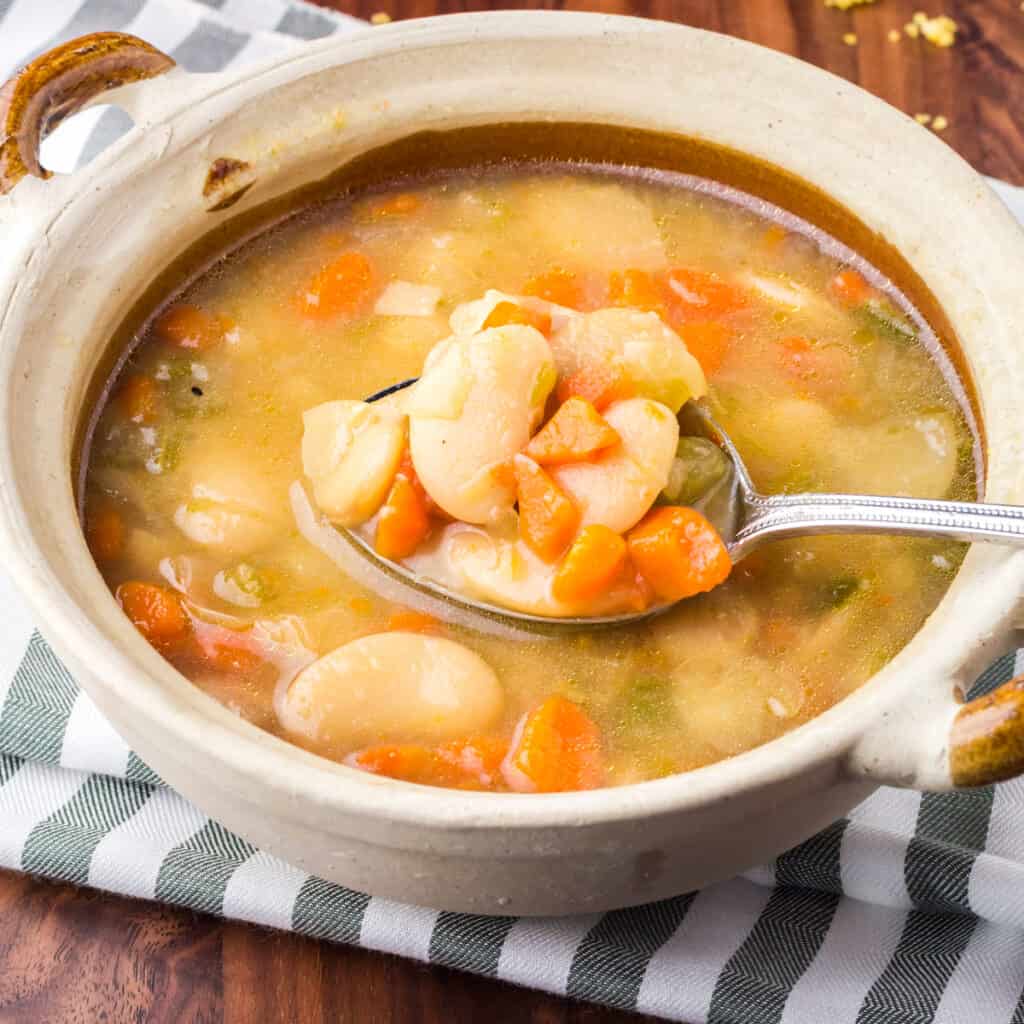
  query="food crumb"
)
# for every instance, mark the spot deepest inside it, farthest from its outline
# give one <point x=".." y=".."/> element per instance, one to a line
<point x="777" y="708"/>
<point x="894" y="34"/>
<point x="939" y="31"/>
<point x="380" y="18"/>
<point x="845" y="5"/>
<point x="923" y="118"/>
<point x="940" y="123"/>
<point x="850" y="38"/>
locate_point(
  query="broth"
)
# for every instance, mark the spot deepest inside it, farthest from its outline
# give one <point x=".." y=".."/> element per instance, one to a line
<point x="829" y="380"/>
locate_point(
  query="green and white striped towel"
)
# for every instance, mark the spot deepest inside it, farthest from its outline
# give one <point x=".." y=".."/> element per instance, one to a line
<point x="909" y="911"/>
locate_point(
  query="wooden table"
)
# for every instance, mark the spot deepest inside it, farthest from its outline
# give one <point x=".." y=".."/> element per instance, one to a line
<point x="69" y="955"/>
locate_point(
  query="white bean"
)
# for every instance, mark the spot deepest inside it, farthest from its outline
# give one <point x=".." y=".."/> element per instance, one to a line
<point x="501" y="571"/>
<point x="618" y="489"/>
<point x="649" y="352"/>
<point x="350" y="452"/>
<point x="392" y="687"/>
<point x="232" y="507"/>
<point x="476" y="405"/>
<point x="605" y="225"/>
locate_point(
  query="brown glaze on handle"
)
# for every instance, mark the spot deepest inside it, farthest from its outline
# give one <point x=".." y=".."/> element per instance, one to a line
<point x="56" y="85"/>
<point x="987" y="738"/>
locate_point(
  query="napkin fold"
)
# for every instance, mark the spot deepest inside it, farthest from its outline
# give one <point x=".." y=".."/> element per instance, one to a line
<point x="908" y="911"/>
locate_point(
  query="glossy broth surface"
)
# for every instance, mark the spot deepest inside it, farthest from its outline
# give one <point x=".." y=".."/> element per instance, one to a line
<point x="194" y="457"/>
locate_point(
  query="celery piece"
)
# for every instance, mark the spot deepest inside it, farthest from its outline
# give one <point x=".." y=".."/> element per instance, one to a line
<point x="699" y="465"/>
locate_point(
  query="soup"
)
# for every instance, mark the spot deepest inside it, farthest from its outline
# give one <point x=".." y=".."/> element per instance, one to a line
<point x="234" y="440"/>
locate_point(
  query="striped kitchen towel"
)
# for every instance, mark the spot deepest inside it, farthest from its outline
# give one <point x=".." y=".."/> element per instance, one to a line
<point x="909" y="911"/>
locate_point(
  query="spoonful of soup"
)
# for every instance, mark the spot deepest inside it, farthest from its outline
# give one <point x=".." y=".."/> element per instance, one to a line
<point x="558" y="467"/>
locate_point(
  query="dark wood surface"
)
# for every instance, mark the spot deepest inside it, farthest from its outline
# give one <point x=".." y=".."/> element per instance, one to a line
<point x="69" y="955"/>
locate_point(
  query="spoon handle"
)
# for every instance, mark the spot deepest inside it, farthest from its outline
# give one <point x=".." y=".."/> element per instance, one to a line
<point x="796" y="515"/>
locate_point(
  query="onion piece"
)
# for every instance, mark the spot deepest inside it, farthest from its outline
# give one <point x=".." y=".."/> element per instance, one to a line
<point x="403" y="298"/>
<point x="326" y="539"/>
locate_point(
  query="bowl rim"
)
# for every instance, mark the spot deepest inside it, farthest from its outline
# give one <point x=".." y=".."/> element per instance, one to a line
<point x="254" y="758"/>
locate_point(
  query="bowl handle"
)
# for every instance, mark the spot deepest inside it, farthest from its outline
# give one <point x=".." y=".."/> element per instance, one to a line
<point x="943" y="743"/>
<point x="59" y="83"/>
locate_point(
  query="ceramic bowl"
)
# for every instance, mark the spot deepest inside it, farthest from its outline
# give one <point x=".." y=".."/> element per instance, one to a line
<point x="80" y="250"/>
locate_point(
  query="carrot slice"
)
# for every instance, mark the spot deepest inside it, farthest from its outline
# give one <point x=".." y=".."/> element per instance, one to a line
<point x="104" y="533"/>
<point x="557" y="748"/>
<point x="598" y="383"/>
<point x="575" y="433"/>
<point x="404" y="521"/>
<point x="189" y="326"/>
<point x="405" y="620"/>
<point x="678" y="552"/>
<point x="547" y="516"/>
<point x="638" y="289"/>
<point x="510" y="313"/>
<point x="850" y="288"/>
<point x="562" y="287"/>
<point x="345" y="285"/>
<point x="478" y="759"/>
<point x="138" y="399"/>
<point x="708" y="342"/>
<point x="698" y="295"/>
<point x="592" y="565"/>
<point x="228" y="653"/>
<point x="408" y="761"/>
<point x="156" y="612"/>
<point x="460" y="764"/>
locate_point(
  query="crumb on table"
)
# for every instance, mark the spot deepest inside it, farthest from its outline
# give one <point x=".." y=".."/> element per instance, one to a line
<point x="939" y="31"/>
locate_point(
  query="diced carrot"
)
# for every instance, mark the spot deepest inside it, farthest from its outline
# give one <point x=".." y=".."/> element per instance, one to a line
<point x="408" y="761"/>
<point x="403" y="523"/>
<point x="591" y="566"/>
<point x="397" y="206"/>
<point x="559" y="286"/>
<point x="344" y="286"/>
<point x="557" y="749"/>
<point x="708" y="342"/>
<point x="575" y="433"/>
<point x="850" y="288"/>
<point x="795" y="344"/>
<point x="638" y="289"/>
<point x="236" y="661"/>
<point x="678" y="552"/>
<point x="698" y="295"/>
<point x="104" y="532"/>
<point x="408" y="470"/>
<point x="547" y="516"/>
<point x="156" y="612"/>
<point x="189" y="326"/>
<point x="478" y="759"/>
<point x="138" y="399"/>
<point x="599" y="383"/>
<point x="510" y="313"/>
<point x="406" y="620"/>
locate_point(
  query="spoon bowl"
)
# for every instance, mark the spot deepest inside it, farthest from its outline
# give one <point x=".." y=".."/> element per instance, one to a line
<point x="745" y="519"/>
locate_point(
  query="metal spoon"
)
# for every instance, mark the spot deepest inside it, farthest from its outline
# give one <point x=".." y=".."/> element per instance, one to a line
<point x="745" y="519"/>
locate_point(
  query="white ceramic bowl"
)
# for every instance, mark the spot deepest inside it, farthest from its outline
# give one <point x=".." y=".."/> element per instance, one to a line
<point x="79" y="251"/>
